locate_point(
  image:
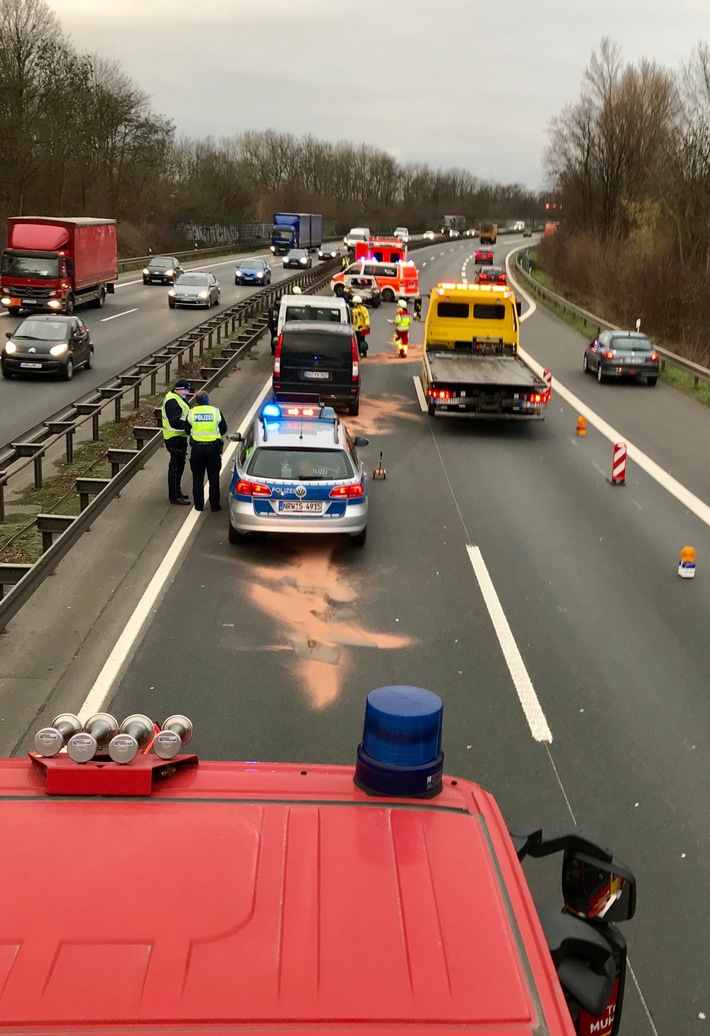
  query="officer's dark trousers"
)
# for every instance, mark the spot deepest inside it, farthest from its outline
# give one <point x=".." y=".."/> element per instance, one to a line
<point x="177" y="448"/>
<point x="205" y="458"/>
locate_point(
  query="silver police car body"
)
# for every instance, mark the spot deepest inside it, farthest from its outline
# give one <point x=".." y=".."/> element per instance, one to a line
<point x="297" y="470"/>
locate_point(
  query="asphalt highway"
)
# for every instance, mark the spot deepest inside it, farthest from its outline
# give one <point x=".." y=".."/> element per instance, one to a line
<point x="491" y="547"/>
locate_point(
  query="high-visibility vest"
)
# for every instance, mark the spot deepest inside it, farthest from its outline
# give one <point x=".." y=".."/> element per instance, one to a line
<point x="204" y="421"/>
<point x="361" y="318"/>
<point x="168" y="431"/>
<point x="402" y="321"/>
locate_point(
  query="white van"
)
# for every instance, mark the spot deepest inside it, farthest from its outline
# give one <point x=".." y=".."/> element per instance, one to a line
<point x="356" y="234"/>
<point x="325" y="308"/>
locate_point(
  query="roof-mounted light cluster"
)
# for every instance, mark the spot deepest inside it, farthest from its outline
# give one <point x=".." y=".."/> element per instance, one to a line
<point x="500" y="289"/>
<point x="307" y="411"/>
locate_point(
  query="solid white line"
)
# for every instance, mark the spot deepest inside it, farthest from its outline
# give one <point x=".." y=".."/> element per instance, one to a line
<point x="117" y="315"/>
<point x="114" y="664"/>
<point x="514" y="660"/>
<point x="420" y="392"/>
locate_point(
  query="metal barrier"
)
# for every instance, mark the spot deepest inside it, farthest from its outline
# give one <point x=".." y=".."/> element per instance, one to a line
<point x="597" y="324"/>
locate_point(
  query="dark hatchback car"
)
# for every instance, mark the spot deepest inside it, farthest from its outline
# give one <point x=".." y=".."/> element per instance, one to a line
<point x="162" y="269"/>
<point x="297" y="259"/>
<point x="252" y="271"/>
<point x="621" y="354"/>
<point x="491" y="275"/>
<point x="319" y="358"/>
<point x="52" y="344"/>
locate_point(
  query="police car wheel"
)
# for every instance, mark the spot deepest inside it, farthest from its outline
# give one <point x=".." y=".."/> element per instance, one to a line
<point x="360" y="538"/>
<point x="235" y="536"/>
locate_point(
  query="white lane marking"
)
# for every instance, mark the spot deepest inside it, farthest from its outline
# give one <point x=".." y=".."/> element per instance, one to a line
<point x="423" y="264"/>
<point x="442" y="253"/>
<point x="684" y="496"/>
<point x="113" y="666"/>
<point x="117" y="315"/>
<point x="420" y="393"/>
<point x="514" y="660"/>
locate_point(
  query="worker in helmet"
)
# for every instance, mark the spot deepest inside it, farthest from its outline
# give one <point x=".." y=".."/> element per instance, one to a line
<point x="402" y="322"/>
<point x="361" y="324"/>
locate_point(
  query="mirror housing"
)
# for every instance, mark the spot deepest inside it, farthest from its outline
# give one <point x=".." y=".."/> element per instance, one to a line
<point x="519" y="307"/>
<point x="583" y="958"/>
<point x="8" y="334"/>
<point x="360" y="440"/>
<point x="597" y="890"/>
<point x="235" y="436"/>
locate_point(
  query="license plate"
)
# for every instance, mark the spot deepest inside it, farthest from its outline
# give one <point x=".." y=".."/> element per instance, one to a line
<point x="31" y="302"/>
<point x="312" y="506"/>
<point x="319" y="375"/>
<point x="33" y="366"/>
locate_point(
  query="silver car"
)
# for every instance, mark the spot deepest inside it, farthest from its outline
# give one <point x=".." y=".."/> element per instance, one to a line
<point x="194" y="289"/>
<point x="297" y="471"/>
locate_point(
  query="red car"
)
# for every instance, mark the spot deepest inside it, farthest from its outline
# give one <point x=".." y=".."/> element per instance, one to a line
<point x="484" y="256"/>
<point x="491" y="275"/>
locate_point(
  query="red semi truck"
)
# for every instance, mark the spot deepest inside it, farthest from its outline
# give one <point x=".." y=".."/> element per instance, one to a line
<point x="56" y="264"/>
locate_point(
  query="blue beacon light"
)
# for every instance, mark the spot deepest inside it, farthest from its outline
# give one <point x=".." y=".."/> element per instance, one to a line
<point x="271" y="410"/>
<point x="400" y="753"/>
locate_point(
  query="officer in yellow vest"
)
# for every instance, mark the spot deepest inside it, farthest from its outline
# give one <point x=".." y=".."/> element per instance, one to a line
<point x="174" y="412"/>
<point x="207" y="426"/>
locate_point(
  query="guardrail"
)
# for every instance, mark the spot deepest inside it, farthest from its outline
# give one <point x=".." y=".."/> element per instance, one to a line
<point x="597" y="324"/>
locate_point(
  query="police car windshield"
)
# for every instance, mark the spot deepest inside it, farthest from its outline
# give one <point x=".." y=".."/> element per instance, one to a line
<point x="299" y="465"/>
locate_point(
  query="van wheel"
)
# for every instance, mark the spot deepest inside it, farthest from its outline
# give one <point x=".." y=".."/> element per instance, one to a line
<point x="354" y="408"/>
<point x="387" y="295"/>
<point x="360" y="538"/>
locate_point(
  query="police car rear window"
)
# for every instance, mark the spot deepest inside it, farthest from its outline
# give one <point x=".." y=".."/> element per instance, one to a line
<point x="483" y="311"/>
<point x="299" y="465"/>
<point x="325" y="350"/>
<point x="628" y="344"/>
<point x="452" y="310"/>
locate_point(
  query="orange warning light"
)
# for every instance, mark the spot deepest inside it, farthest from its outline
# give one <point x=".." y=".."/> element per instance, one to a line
<point x="688" y="554"/>
<point x="581" y="426"/>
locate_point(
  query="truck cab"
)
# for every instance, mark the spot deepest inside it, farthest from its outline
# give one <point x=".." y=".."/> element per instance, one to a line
<point x="473" y="317"/>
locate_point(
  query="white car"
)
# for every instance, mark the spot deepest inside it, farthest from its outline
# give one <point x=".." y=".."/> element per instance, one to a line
<point x="402" y="233"/>
<point x="429" y="235"/>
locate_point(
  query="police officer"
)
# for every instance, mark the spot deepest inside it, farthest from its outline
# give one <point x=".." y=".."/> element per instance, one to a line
<point x="174" y="413"/>
<point x="207" y="426"/>
<point x="273" y="320"/>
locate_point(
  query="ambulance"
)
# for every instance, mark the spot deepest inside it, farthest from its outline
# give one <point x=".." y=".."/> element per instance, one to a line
<point x="395" y="280"/>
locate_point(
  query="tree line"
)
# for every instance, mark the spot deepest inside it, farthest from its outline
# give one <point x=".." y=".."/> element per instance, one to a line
<point x="78" y="136"/>
<point x="629" y="163"/>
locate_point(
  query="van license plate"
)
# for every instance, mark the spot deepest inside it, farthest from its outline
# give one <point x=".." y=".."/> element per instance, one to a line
<point x="32" y="366"/>
<point x="323" y="375"/>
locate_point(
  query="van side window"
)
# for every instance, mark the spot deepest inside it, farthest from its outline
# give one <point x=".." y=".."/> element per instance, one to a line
<point x="387" y="271"/>
<point x="371" y="269"/>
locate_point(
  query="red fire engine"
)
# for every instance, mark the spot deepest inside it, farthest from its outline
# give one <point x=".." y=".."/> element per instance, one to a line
<point x="382" y="250"/>
<point x="144" y="891"/>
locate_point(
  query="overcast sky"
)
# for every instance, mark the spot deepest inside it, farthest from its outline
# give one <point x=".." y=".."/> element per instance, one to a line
<point x="469" y="83"/>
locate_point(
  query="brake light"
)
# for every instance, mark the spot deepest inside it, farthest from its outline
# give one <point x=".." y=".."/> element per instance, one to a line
<point x="609" y="355"/>
<point x="246" y="488"/>
<point x="355" y="359"/>
<point x="440" y="394"/>
<point x="540" y="398"/>
<point x="277" y="354"/>
<point x="351" y="492"/>
<point x="654" y="357"/>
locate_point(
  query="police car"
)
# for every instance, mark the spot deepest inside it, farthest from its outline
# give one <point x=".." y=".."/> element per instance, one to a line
<point x="297" y="471"/>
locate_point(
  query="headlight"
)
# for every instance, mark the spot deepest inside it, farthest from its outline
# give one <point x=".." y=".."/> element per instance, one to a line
<point x="303" y="260"/>
<point x="273" y="248"/>
<point x="169" y="273"/>
<point x="172" y="292"/>
<point x="54" y="304"/>
<point x="146" y="271"/>
<point x="6" y="301"/>
<point x="260" y="273"/>
<point x="59" y="350"/>
<point x="204" y="295"/>
<point x="10" y="347"/>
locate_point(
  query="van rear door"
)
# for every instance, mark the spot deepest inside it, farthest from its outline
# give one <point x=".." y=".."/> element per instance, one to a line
<point x="313" y="358"/>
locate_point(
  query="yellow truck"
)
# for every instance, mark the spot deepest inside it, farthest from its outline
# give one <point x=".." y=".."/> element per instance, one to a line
<point x="471" y="363"/>
<point x="488" y="234"/>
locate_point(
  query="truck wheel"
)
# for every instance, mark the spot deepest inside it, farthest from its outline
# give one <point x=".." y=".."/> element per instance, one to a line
<point x="98" y="302"/>
<point x="387" y="295"/>
<point x="69" y="305"/>
<point x="14" y="311"/>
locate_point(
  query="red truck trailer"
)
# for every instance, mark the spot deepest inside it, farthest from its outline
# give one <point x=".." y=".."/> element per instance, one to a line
<point x="55" y="264"/>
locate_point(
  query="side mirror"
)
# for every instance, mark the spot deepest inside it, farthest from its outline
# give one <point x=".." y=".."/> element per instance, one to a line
<point x="583" y="959"/>
<point x="595" y="890"/>
<point x="77" y="333"/>
<point x="638" y="324"/>
<point x="235" y="437"/>
<point x="360" y="440"/>
<point x="8" y="334"/>
<point x="519" y="307"/>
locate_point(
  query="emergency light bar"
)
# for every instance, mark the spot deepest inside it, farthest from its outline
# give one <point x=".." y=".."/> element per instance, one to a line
<point x="500" y="289"/>
<point x="311" y="411"/>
